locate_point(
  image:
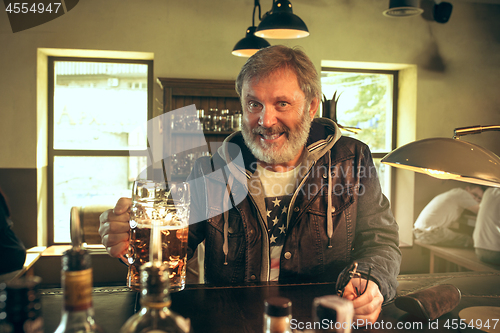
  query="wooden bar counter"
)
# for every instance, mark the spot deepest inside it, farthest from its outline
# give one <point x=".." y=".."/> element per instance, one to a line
<point x="240" y="308"/>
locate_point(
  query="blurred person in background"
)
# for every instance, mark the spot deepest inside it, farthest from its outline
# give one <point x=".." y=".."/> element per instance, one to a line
<point x="487" y="230"/>
<point x="433" y="224"/>
<point x="12" y="250"/>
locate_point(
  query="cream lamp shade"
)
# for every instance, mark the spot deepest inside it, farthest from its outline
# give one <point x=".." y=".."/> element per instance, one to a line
<point x="446" y="158"/>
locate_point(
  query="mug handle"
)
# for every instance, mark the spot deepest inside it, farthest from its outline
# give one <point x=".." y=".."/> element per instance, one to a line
<point x="128" y="257"/>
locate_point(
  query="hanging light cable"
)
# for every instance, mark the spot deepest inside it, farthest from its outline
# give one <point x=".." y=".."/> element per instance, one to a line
<point x="247" y="46"/>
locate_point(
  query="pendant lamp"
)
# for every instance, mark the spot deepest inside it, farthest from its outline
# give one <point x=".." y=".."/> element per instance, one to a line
<point x="402" y="8"/>
<point x="281" y="23"/>
<point x="446" y="158"/>
<point x="247" y="46"/>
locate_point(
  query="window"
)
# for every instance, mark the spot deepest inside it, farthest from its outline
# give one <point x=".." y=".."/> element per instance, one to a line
<point x="366" y="102"/>
<point x="95" y="148"/>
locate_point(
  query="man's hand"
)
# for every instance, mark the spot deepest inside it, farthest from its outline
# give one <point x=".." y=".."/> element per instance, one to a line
<point x="114" y="228"/>
<point x="367" y="307"/>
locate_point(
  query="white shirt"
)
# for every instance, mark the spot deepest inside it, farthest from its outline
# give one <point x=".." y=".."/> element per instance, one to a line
<point x="444" y="209"/>
<point x="487" y="230"/>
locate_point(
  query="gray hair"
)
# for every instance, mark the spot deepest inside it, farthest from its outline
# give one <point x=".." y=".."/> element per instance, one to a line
<point x="272" y="58"/>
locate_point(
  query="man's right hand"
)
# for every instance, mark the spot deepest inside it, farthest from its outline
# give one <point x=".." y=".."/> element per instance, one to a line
<point x="114" y="228"/>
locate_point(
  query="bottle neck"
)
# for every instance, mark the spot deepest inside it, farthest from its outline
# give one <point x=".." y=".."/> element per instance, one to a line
<point x="77" y="286"/>
<point x="86" y="315"/>
<point x="154" y="304"/>
<point x="154" y="285"/>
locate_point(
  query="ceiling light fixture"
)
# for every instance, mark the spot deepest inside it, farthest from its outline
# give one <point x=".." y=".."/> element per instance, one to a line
<point x="454" y="159"/>
<point x="247" y="46"/>
<point x="281" y="23"/>
<point x="403" y="8"/>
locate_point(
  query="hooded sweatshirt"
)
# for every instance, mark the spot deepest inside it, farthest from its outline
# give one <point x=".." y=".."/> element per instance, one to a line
<point x="336" y="215"/>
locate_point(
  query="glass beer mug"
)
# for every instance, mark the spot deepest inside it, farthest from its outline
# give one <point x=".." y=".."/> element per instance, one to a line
<point x="169" y="206"/>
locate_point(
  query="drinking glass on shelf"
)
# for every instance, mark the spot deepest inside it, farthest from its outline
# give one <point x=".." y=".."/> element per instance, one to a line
<point x="192" y="122"/>
<point x="201" y="118"/>
<point x="179" y="122"/>
<point x="236" y="125"/>
<point x="207" y="120"/>
<point x="224" y="120"/>
<point x="168" y="206"/>
<point x="217" y="123"/>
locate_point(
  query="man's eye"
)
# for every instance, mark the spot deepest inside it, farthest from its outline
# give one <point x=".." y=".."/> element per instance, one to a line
<point x="254" y="106"/>
<point x="282" y="104"/>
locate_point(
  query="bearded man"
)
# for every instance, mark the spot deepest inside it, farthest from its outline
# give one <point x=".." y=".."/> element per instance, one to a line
<point x="305" y="203"/>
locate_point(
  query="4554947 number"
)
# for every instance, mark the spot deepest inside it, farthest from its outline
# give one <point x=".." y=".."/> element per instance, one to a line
<point x="36" y="8"/>
<point x="455" y="324"/>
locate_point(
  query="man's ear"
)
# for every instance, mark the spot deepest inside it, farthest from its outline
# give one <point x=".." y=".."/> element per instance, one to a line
<point x="313" y="107"/>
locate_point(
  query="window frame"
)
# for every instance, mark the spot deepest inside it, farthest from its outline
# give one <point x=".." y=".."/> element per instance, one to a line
<point x="52" y="153"/>
<point x="395" y="98"/>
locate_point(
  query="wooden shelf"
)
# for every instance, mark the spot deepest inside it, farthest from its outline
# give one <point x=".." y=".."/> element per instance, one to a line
<point x="206" y="95"/>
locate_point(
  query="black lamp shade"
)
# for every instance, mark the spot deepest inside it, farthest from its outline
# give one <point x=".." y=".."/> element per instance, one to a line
<point x="247" y="46"/>
<point x="403" y="8"/>
<point x="282" y="23"/>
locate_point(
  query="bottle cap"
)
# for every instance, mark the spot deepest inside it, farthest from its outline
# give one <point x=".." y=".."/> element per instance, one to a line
<point x="75" y="260"/>
<point x="278" y="306"/>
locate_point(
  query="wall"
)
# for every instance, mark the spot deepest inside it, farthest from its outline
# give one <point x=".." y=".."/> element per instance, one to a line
<point x="458" y="66"/>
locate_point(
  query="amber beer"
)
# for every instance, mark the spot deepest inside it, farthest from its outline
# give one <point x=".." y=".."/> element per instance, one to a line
<point x="174" y="250"/>
<point x="167" y="206"/>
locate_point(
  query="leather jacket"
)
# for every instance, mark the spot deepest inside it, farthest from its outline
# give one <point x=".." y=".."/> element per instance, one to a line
<point x="228" y="209"/>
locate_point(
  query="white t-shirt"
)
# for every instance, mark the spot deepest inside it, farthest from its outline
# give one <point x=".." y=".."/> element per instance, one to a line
<point x="278" y="189"/>
<point x="444" y="209"/>
<point x="487" y="230"/>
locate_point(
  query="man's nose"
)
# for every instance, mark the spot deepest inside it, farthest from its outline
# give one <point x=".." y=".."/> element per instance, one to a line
<point x="267" y="117"/>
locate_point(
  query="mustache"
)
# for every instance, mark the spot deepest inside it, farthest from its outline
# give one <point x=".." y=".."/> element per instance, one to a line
<point x="277" y="129"/>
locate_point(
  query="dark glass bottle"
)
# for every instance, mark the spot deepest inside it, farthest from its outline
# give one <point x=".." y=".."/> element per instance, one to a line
<point x="20" y="306"/>
<point x="76" y="280"/>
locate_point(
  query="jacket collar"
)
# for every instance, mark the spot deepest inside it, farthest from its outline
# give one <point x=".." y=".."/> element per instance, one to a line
<point x="323" y="136"/>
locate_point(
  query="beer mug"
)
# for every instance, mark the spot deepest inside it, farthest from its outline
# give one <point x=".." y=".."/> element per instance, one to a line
<point x="169" y="208"/>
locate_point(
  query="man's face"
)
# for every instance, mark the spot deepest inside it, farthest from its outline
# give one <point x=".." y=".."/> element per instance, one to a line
<point x="476" y="192"/>
<point x="276" y="118"/>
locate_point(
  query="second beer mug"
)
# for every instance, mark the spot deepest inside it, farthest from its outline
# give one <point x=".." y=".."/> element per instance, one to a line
<point x="170" y="207"/>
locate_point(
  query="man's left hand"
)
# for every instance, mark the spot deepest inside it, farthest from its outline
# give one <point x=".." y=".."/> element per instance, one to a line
<point x="367" y="307"/>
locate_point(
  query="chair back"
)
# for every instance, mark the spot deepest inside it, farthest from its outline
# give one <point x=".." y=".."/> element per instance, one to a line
<point x="86" y="220"/>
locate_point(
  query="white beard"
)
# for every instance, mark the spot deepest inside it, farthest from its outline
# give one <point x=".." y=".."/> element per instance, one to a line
<point x="272" y="153"/>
